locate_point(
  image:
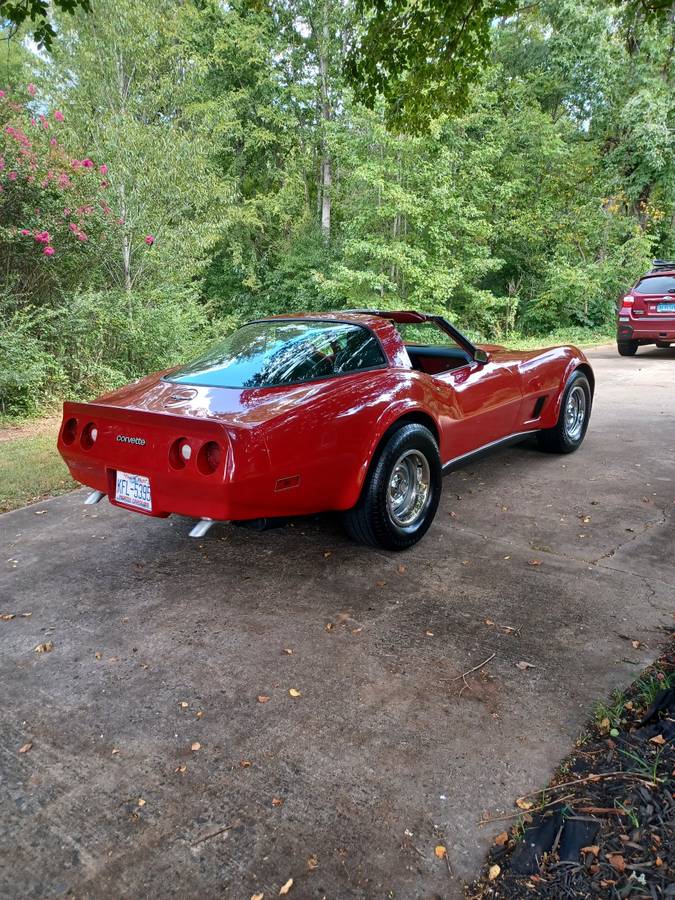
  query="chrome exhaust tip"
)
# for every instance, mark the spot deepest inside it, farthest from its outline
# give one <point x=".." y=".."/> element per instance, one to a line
<point x="94" y="497"/>
<point x="200" y="529"/>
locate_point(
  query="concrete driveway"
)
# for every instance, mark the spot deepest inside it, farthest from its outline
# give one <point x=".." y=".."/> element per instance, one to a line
<point x="161" y="644"/>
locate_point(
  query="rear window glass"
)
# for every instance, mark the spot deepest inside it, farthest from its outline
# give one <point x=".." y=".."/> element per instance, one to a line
<point x="659" y="284"/>
<point x="283" y="351"/>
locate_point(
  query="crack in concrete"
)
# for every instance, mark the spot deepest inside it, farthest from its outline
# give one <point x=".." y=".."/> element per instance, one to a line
<point x="665" y="515"/>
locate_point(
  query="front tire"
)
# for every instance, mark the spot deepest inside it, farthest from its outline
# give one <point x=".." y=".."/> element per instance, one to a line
<point x="575" y="411"/>
<point x="401" y="493"/>
<point x="627" y="348"/>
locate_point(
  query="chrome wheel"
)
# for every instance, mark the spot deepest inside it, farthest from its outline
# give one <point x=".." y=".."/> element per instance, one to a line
<point x="575" y="413"/>
<point x="409" y="489"/>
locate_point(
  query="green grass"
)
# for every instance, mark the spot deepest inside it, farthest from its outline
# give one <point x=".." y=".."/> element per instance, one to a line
<point x="31" y="469"/>
<point x="579" y="337"/>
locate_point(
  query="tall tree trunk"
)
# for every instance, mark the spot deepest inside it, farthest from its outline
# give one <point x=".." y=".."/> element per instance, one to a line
<point x="326" y="172"/>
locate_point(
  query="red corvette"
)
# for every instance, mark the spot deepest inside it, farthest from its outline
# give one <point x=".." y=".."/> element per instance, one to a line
<point x="358" y="411"/>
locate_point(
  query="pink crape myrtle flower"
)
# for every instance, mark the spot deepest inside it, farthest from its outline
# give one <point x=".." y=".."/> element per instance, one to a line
<point x="2" y="163"/>
<point x="149" y="240"/>
<point x="43" y="237"/>
<point x="49" y="251"/>
<point x="32" y="90"/>
<point x="58" y="115"/>
<point x="25" y="232"/>
<point x="54" y="142"/>
<point x="103" y="169"/>
<point x="2" y="94"/>
<point x="73" y="227"/>
<point x="12" y="176"/>
<point x="88" y="164"/>
<point x="82" y="237"/>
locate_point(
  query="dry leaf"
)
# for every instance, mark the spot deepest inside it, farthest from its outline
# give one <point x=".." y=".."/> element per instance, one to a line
<point x="26" y="747"/>
<point x="380" y="583"/>
<point x="429" y="633"/>
<point x="328" y="626"/>
<point x="141" y="801"/>
<point x="327" y="554"/>
<point x="605" y="723"/>
<point x="98" y="654"/>
<point x="493" y="872"/>
<point x="440" y="851"/>
<point x="635" y="644"/>
<point x="657" y="739"/>
<point x="593" y="848"/>
<point x="502" y="838"/>
<point x="658" y="861"/>
<point x="489" y="622"/>
<point x="263" y="698"/>
<point x="284" y="889"/>
<point x="200" y="714"/>
<point x="294" y="692"/>
<point x="196" y="746"/>
<point x="180" y="769"/>
<point x="7" y="617"/>
<point x="26" y="615"/>
<point x="257" y="896"/>
<point x="312" y="863"/>
<point x="245" y="763"/>
<point x="47" y="647"/>
<point x="184" y="704"/>
<point x="617" y="861"/>
<point x="40" y="512"/>
<point x="114" y="751"/>
<point x="277" y="801"/>
<point x="524" y="665"/>
<point x="288" y="651"/>
<point x="524" y="804"/>
<point x="402" y="570"/>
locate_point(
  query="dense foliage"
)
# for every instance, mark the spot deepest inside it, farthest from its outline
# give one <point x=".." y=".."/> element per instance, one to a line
<point x="173" y="168"/>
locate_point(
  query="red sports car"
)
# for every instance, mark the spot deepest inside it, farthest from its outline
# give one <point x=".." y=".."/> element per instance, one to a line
<point x="647" y="312"/>
<point x="359" y="411"/>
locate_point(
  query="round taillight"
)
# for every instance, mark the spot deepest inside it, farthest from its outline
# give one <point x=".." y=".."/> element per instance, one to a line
<point x="208" y="458"/>
<point x="179" y="453"/>
<point x="69" y="432"/>
<point x="89" y="435"/>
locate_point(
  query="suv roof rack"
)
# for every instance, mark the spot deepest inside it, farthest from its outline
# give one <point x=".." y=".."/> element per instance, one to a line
<point x="659" y="265"/>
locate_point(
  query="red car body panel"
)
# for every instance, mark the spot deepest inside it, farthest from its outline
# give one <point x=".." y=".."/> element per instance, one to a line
<point x="638" y="315"/>
<point x="305" y="448"/>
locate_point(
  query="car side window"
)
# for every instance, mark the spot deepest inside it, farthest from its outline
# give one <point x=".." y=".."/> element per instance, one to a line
<point x="431" y="349"/>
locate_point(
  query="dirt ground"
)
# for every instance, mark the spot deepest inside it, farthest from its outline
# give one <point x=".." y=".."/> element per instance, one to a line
<point x="157" y="766"/>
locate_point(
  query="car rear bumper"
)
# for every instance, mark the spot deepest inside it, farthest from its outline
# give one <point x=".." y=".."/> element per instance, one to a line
<point x="648" y="330"/>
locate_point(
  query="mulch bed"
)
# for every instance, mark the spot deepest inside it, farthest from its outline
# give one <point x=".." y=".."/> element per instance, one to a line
<point x="605" y="825"/>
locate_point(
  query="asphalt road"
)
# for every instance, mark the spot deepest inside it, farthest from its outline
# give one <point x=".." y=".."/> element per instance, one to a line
<point x="161" y="643"/>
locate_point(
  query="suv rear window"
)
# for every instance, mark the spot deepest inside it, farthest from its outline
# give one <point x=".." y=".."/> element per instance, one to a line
<point x="283" y="351"/>
<point x="658" y="284"/>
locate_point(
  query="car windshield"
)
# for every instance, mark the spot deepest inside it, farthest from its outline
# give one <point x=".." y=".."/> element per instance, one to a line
<point x="658" y="284"/>
<point x="283" y="351"/>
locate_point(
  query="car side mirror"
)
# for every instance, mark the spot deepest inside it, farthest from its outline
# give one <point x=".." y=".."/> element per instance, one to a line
<point x="481" y="356"/>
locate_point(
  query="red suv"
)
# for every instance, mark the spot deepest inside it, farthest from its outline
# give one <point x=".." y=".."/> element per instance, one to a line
<point x="647" y="312"/>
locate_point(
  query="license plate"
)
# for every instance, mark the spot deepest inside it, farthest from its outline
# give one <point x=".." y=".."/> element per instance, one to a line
<point x="665" y="307"/>
<point x="133" y="490"/>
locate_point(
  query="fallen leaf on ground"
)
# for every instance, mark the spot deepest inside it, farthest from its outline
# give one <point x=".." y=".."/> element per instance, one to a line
<point x="285" y="888"/>
<point x="263" y="698"/>
<point x="257" y="896"/>
<point x="288" y="651"/>
<point x="294" y="692"/>
<point x="593" y="848"/>
<point x="200" y="714"/>
<point x="493" y="872"/>
<point x="40" y="512"/>
<point x="180" y="769"/>
<point x="489" y="622"/>
<point x="524" y="665"/>
<point x="617" y="861"/>
<point x="98" y="655"/>
<point x="277" y="801"/>
<point x="26" y="615"/>
<point x="402" y="570"/>
<point x="440" y="851"/>
<point x="524" y="804"/>
<point x="7" y="617"/>
<point x="195" y="746"/>
<point x="605" y="723"/>
<point x="380" y="583"/>
<point x="502" y="838"/>
<point x="245" y="763"/>
<point x="429" y="633"/>
<point x="114" y="751"/>
<point x="312" y="863"/>
<point x="141" y="801"/>
<point x="534" y="562"/>
<point x="635" y="644"/>
<point x="26" y="747"/>
<point x="47" y="647"/>
<point x="184" y="704"/>
<point x="328" y="553"/>
<point x="657" y="739"/>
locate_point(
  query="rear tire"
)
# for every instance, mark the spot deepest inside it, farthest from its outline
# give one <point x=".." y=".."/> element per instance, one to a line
<point x="401" y="492"/>
<point x="575" y="411"/>
<point x="627" y="348"/>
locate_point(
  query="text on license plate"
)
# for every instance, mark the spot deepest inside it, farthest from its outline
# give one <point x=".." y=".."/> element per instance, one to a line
<point x="665" y="307"/>
<point x="133" y="490"/>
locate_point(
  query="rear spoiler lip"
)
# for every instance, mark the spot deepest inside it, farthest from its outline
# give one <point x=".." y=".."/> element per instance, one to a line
<point x="136" y="415"/>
